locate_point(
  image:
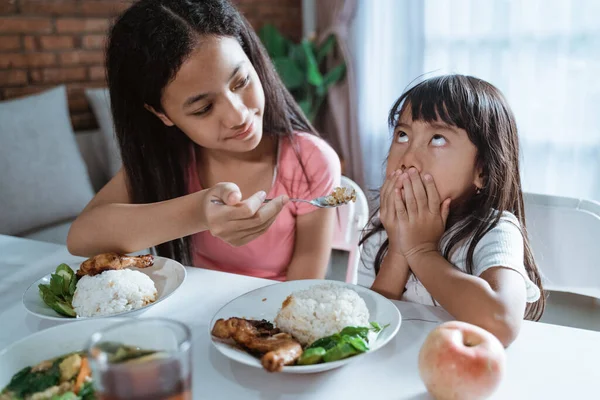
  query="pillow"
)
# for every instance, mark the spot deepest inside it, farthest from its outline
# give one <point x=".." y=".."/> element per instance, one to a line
<point x="100" y="102"/>
<point x="43" y="179"/>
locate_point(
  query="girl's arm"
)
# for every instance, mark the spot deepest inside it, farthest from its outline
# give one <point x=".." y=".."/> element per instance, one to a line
<point x="312" y="250"/>
<point x="393" y="273"/>
<point x="494" y="301"/>
<point x="110" y="223"/>
<point x="392" y="277"/>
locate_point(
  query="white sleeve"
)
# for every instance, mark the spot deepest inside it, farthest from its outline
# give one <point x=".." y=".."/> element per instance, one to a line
<point x="503" y="246"/>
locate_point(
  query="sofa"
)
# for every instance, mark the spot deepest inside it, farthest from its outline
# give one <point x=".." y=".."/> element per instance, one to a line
<point x="50" y="172"/>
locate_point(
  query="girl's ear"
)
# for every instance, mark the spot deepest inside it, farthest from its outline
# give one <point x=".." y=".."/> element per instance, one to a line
<point x="165" y="120"/>
<point x="479" y="179"/>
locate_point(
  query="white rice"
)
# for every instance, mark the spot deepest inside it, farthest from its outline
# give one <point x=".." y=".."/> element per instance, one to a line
<point x="320" y="311"/>
<point x="112" y="292"/>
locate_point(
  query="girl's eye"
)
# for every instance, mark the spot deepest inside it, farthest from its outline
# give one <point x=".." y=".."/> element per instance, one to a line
<point x="243" y="83"/>
<point x="438" y="140"/>
<point x="401" y="137"/>
<point x="203" y="110"/>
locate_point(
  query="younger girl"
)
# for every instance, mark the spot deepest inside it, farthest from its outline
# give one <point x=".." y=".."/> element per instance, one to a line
<point x="201" y="115"/>
<point x="452" y="208"/>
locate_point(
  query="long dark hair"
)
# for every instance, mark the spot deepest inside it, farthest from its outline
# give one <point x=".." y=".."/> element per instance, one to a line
<point x="147" y="45"/>
<point x="482" y="111"/>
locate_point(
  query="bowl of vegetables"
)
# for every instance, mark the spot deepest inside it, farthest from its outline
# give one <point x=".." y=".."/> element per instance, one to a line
<point x="45" y="360"/>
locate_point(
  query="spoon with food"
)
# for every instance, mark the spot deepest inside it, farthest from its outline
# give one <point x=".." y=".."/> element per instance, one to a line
<point x="339" y="197"/>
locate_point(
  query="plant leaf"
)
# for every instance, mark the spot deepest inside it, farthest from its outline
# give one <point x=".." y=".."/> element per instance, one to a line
<point x="297" y="54"/>
<point x="274" y="42"/>
<point x="325" y="48"/>
<point x="313" y="75"/>
<point x="305" y="105"/>
<point x="333" y="76"/>
<point x="289" y="72"/>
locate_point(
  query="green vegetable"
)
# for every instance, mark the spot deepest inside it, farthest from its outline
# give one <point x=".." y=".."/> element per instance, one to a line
<point x="312" y="356"/>
<point x="26" y="382"/>
<point x="65" y="396"/>
<point x="361" y="331"/>
<point x="87" y="391"/>
<point x="119" y="353"/>
<point x="358" y="342"/>
<point x="327" y="342"/>
<point x="339" y="352"/>
<point x="58" y="294"/>
<point x="349" y="341"/>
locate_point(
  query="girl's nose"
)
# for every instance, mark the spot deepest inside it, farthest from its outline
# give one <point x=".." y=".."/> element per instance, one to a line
<point x="235" y="113"/>
<point x="410" y="159"/>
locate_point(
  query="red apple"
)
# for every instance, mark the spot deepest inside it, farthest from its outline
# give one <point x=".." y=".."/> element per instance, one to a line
<point x="461" y="361"/>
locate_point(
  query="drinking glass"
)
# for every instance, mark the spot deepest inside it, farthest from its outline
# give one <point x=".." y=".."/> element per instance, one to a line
<point x="147" y="358"/>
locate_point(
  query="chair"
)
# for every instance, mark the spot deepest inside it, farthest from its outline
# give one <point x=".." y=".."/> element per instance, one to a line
<point x="565" y="240"/>
<point x="351" y="219"/>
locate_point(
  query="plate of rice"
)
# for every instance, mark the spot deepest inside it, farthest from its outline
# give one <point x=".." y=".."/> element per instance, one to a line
<point x="110" y="293"/>
<point x="310" y="310"/>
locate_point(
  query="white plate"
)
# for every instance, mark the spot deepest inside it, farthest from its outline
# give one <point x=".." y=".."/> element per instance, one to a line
<point x="168" y="275"/>
<point x="265" y="302"/>
<point x="47" y="344"/>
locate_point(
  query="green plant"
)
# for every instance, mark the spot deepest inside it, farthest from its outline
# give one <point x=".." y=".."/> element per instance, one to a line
<point x="302" y="68"/>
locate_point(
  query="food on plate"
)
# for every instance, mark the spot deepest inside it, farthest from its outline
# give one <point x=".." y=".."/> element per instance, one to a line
<point x="321" y="310"/>
<point x="113" y="292"/>
<point x="58" y="295"/>
<point x="348" y="342"/>
<point x="67" y="377"/>
<point x="324" y="323"/>
<point x="341" y="195"/>
<point x="102" y="286"/>
<point x="461" y="361"/>
<point x="113" y="261"/>
<point x="260" y="338"/>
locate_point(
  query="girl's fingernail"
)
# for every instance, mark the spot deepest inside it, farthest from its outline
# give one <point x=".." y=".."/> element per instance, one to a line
<point x="262" y="194"/>
<point x="428" y="177"/>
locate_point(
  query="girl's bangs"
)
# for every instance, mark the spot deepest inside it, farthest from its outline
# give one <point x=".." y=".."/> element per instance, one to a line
<point x="438" y="99"/>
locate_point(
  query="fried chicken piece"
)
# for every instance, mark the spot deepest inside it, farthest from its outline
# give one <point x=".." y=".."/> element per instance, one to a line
<point x="224" y="329"/>
<point x="277" y="348"/>
<point x="286" y="354"/>
<point x="107" y="261"/>
<point x="264" y="327"/>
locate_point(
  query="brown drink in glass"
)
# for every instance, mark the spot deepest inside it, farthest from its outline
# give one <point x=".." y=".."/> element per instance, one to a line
<point x="142" y="359"/>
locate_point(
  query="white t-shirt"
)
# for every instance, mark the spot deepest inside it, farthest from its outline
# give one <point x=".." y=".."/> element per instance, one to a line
<point x="502" y="246"/>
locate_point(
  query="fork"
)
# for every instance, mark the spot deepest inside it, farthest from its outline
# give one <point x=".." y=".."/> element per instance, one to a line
<point x="320" y="202"/>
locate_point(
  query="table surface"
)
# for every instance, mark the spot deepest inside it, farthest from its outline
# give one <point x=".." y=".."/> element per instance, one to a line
<point x="545" y="362"/>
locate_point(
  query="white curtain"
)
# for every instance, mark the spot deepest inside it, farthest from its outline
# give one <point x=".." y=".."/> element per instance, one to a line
<point x="543" y="54"/>
<point x="385" y="64"/>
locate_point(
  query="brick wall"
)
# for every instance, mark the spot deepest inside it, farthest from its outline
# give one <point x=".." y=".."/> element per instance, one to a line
<point x="44" y="43"/>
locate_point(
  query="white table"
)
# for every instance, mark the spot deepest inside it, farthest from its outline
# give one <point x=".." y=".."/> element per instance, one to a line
<point x="545" y="362"/>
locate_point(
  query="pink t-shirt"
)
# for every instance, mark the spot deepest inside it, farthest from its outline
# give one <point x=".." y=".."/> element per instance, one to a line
<point x="269" y="255"/>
